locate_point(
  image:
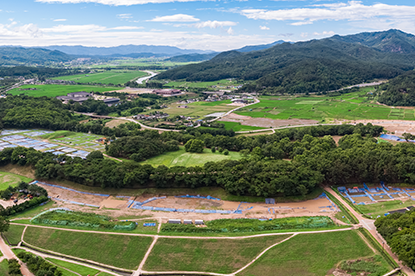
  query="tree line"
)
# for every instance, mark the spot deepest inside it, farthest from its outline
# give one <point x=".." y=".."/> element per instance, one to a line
<point x="399" y="91"/>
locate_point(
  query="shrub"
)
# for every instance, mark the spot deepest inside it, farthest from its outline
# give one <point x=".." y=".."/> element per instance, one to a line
<point x="14" y="267"/>
<point x="226" y="152"/>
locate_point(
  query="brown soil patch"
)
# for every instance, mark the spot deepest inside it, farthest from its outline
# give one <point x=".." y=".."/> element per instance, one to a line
<point x="115" y="123"/>
<point x="336" y="138"/>
<point x="397" y="126"/>
<point x="112" y="202"/>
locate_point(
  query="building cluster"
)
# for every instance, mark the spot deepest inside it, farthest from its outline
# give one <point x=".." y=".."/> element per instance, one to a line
<point x="155" y="115"/>
<point x="167" y="92"/>
<point x="82" y="96"/>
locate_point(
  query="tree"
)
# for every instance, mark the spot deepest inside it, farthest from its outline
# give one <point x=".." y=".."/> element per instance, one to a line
<point x="94" y="155"/>
<point x="226" y="152"/>
<point x="408" y="136"/>
<point x="213" y="149"/>
<point x="4" y="224"/>
<point x="194" y="145"/>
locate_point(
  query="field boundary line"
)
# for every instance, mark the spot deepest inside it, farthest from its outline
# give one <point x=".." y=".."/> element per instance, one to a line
<point x="143" y="261"/>
<point x="64" y="268"/>
<point x="262" y="253"/>
<point x="21" y="238"/>
<point x="367" y="242"/>
<point x="189" y="237"/>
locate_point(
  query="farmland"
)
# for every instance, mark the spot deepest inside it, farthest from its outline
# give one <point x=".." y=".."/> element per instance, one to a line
<point x="187" y="159"/>
<point x="352" y="106"/>
<point x="10" y="179"/>
<point x="235" y="126"/>
<point x="83" y="270"/>
<point x="116" y="250"/>
<point x="211" y="255"/>
<point x="106" y="77"/>
<point x="54" y="90"/>
<point x="380" y="208"/>
<point x="311" y="254"/>
<point x="199" y="109"/>
<point x="140" y="63"/>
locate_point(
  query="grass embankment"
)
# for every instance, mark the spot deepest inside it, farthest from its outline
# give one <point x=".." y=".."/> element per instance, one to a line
<point x="34" y="211"/>
<point x="116" y="250"/>
<point x="313" y="254"/>
<point x="14" y="234"/>
<point x="106" y="77"/>
<point x="54" y="90"/>
<point x="189" y="159"/>
<point x="236" y="126"/>
<point x="80" y="269"/>
<point x="220" y="256"/>
<point x="351" y="106"/>
<point x="10" y="179"/>
<point x="380" y="208"/>
<point x="4" y="268"/>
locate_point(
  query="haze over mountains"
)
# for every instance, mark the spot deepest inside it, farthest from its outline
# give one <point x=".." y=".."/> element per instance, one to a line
<point x="312" y="66"/>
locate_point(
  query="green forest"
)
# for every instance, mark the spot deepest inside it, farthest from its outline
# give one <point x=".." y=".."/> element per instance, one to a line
<point x="399" y="91"/>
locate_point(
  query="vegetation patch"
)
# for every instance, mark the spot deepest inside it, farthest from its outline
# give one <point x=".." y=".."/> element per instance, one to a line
<point x="11" y="179"/>
<point x="81" y="219"/>
<point x="251" y="225"/>
<point x="54" y="90"/>
<point x="380" y="208"/>
<point x="14" y="234"/>
<point x="373" y="266"/>
<point x="210" y="255"/>
<point x="236" y="126"/>
<point x="4" y="268"/>
<point x="310" y="254"/>
<point x="108" y="77"/>
<point x="83" y="270"/>
<point x="116" y="250"/>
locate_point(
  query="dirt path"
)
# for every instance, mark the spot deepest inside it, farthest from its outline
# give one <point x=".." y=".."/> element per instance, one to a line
<point x="368" y="224"/>
<point x="9" y="254"/>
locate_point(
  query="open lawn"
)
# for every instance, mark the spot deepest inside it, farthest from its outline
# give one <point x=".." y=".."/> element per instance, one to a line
<point x="116" y="250"/>
<point x="187" y="159"/>
<point x="352" y="106"/>
<point x="106" y="77"/>
<point x="4" y="268"/>
<point x="198" y="109"/>
<point x="380" y="208"/>
<point x="14" y="234"/>
<point x="220" y="256"/>
<point x="34" y="211"/>
<point x="235" y="126"/>
<point x="310" y="254"/>
<point x="10" y="179"/>
<point x="54" y="90"/>
<point x="83" y="270"/>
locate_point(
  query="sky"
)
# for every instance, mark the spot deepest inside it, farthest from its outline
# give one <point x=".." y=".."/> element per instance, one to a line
<point x="216" y="25"/>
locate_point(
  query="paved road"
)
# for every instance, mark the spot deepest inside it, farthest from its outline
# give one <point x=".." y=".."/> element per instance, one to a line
<point x="369" y="225"/>
<point x="233" y="110"/>
<point x="146" y="78"/>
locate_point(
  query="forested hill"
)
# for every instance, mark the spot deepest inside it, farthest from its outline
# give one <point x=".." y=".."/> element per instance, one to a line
<point x="393" y="41"/>
<point x="399" y="91"/>
<point x="192" y="57"/>
<point x="317" y="65"/>
<point x="22" y="56"/>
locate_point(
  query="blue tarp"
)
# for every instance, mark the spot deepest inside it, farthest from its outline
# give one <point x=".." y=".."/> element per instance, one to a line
<point x="394" y="138"/>
<point x="198" y="196"/>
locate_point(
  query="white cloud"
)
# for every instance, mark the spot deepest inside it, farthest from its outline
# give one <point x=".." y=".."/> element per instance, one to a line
<point x="59" y="20"/>
<point x="352" y="11"/>
<point x="214" y="24"/>
<point x="73" y="28"/>
<point x="127" y="28"/>
<point x="264" y="28"/>
<point x="324" y="33"/>
<point x="304" y="35"/>
<point x="113" y="2"/>
<point x="175" y="18"/>
<point x="124" y="16"/>
<point x="230" y="31"/>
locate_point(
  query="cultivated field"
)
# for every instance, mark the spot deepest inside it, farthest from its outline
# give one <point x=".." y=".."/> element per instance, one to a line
<point x="314" y="254"/>
<point x="236" y="126"/>
<point x="106" y="77"/>
<point x="82" y="270"/>
<point x="198" y="109"/>
<point x="10" y="179"/>
<point x="210" y="255"/>
<point x="188" y="159"/>
<point x="54" y="90"/>
<point x="14" y="234"/>
<point x="115" y="250"/>
<point x="352" y="106"/>
<point x="380" y="208"/>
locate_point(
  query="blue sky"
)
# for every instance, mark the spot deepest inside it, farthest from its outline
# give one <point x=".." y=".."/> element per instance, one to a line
<point x="189" y="24"/>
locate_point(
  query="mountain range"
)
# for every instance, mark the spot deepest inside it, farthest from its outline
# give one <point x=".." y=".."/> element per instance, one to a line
<point x="19" y="55"/>
<point x="312" y="66"/>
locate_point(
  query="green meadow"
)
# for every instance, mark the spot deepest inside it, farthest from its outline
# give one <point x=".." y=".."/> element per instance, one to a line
<point x="54" y="90"/>
<point x="106" y="77"/>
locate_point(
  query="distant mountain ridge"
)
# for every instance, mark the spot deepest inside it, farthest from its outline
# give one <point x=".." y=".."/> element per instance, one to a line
<point x="23" y="56"/>
<point x="311" y="66"/>
<point x="250" y="48"/>
<point x="123" y="50"/>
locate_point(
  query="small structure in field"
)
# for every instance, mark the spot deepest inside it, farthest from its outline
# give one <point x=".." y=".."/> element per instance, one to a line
<point x="175" y="221"/>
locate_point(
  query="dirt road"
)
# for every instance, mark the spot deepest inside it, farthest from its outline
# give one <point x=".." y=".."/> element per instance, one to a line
<point x="9" y="254"/>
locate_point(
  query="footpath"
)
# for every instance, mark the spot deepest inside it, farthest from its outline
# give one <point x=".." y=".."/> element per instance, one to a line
<point x="9" y="254"/>
<point x="369" y="225"/>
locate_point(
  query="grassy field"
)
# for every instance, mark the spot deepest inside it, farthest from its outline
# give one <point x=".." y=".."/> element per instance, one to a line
<point x="235" y="126"/>
<point x="198" y="109"/>
<point x="10" y="179"/>
<point x="220" y="256"/>
<point x="140" y="63"/>
<point x="54" y="90"/>
<point x="4" y="268"/>
<point x="106" y="77"/>
<point x="80" y="269"/>
<point x="14" y="234"/>
<point x="380" y="208"/>
<point x="187" y="159"/>
<point x="116" y="250"/>
<point x="352" y="106"/>
<point x="313" y="254"/>
<point x="34" y="211"/>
